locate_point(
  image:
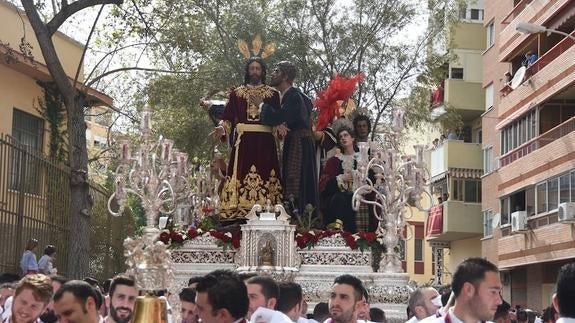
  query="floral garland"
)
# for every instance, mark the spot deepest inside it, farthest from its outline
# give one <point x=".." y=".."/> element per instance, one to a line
<point x="361" y="240"/>
<point x="306" y="240"/>
<point x="225" y="239"/>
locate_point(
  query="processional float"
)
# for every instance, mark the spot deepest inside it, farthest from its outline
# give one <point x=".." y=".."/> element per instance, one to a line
<point x="161" y="178"/>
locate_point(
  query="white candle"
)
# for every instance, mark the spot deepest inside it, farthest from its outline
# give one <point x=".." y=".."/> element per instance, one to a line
<point x="125" y="144"/>
<point x="419" y="154"/>
<point x="145" y="124"/>
<point x="167" y="145"/>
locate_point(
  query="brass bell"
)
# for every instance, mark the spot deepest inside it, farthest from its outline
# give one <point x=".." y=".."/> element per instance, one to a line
<point x="150" y="309"/>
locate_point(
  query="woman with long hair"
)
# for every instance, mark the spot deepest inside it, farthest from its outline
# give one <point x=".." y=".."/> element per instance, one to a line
<point x="336" y="182"/>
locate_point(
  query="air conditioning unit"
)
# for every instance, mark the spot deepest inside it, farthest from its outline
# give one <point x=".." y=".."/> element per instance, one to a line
<point x="518" y="221"/>
<point x="566" y="212"/>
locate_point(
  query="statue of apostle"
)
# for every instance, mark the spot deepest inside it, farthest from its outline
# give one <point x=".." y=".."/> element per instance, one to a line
<point x="253" y="174"/>
<point x="299" y="167"/>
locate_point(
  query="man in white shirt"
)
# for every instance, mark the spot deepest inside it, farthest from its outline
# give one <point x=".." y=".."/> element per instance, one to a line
<point x="262" y="292"/>
<point x="564" y="298"/>
<point x="345" y="300"/>
<point x="32" y="295"/>
<point x="424" y="302"/>
<point x="476" y="285"/>
<point x="121" y="299"/>
<point x="290" y="300"/>
<point x="76" y="301"/>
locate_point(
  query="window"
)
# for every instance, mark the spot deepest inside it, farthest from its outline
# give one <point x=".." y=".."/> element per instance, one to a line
<point x="564" y="194"/>
<point x="489" y="95"/>
<point x="530" y="201"/>
<point x="518" y="133"/>
<point x="505" y="210"/>
<point x="28" y="132"/>
<point x="476" y="14"/>
<point x="542" y="198"/>
<point x="490" y="29"/>
<point x="467" y="190"/>
<point x="418" y="250"/>
<point x="457" y="73"/>
<point x="552" y="194"/>
<point x="488" y="161"/>
<point x="472" y="191"/>
<point x="487" y="223"/>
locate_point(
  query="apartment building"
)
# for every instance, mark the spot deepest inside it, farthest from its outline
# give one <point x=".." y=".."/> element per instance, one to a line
<point x="98" y="122"/>
<point x="454" y="224"/>
<point x="528" y="143"/>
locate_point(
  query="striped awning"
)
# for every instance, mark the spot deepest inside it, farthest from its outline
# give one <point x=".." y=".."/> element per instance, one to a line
<point x="458" y="173"/>
<point x="465" y="173"/>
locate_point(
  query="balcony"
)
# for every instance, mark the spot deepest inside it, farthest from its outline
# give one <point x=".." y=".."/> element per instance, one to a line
<point x="467" y="98"/>
<point x="469" y="35"/>
<point x="536" y="12"/>
<point x="455" y="154"/>
<point x="454" y="220"/>
<point x="550" y="74"/>
<point x="541" y="141"/>
<point x="551" y="55"/>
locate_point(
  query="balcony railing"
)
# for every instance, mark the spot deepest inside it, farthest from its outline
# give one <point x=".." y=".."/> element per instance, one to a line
<point x="516" y="11"/>
<point x="549" y="56"/>
<point x="454" y="220"/>
<point x="538" y="142"/>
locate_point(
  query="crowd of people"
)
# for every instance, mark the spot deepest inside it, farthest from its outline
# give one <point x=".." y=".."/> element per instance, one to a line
<point x="475" y="296"/>
<point x="225" y="296"/>
<point x="39" y="298"/>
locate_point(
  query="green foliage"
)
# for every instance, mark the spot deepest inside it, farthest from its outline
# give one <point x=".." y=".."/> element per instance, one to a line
<point x="322" y="37"/>
<point x="308" y="220"/>
<point x="134" y="204"/>
<point x="53" y="111"/>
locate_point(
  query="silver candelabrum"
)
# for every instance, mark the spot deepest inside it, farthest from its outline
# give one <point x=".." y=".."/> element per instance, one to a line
<point x="388" y="181"/>
<point x="157" y="176"/>
<point x="203" y="190"/>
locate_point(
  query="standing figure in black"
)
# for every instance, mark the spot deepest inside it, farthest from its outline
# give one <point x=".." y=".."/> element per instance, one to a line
<point x="298" y="167"/>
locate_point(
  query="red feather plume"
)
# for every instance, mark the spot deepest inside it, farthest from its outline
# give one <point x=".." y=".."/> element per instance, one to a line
<point x="339" y="88"/>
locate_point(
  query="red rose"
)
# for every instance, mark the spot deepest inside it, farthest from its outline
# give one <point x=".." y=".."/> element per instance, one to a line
<point x="176" y="237"/>
<point x="350" y="240"/>
<point x="165" y="238"/>
<point x="370" y="237"/>
<point x="192" y="233"/>
<point x="236" y="238"/>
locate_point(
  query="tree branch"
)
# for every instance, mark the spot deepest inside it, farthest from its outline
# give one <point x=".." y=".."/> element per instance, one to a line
<point x="67" y="11"/>
<point x="48" y="51"/>
<point x="81" y="63"/>
<point x="112" y="52"/>
<point x="96" y="79"/>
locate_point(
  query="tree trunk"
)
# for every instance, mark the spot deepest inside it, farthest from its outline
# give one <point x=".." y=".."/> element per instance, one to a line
<point x="81" y="202"/>
<point x="80" y="210"/>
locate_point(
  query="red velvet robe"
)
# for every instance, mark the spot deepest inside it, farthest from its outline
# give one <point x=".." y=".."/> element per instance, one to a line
<point x="253" y="174"/>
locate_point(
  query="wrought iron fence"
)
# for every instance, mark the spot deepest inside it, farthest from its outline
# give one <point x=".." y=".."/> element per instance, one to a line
<point x="35" y="203"/>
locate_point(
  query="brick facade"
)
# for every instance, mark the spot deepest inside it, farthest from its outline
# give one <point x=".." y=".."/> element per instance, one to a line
<point x="529" y="259"/>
